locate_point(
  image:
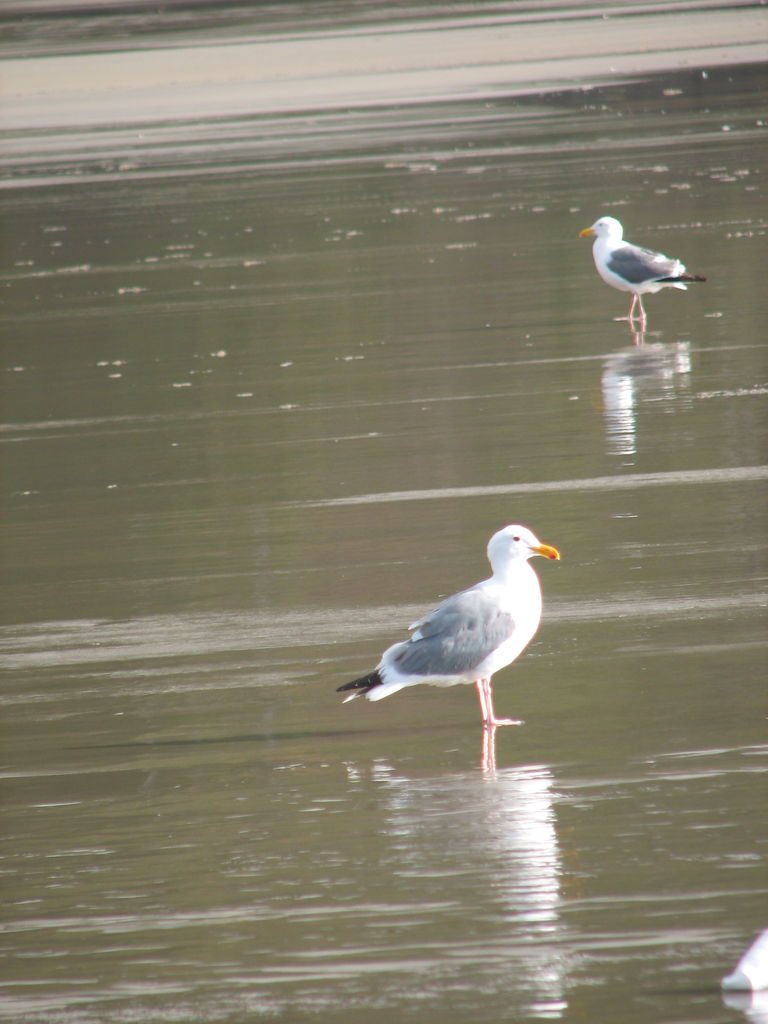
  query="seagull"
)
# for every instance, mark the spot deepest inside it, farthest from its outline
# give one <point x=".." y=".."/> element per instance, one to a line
<point x="633" y="269"/>
<point x="751" y="972"/>
<point x="472" y="634"/>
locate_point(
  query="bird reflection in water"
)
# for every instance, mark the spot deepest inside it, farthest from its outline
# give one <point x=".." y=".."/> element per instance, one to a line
<point x="488" y="750"/>
<point x="495" y="838"/>
<point x="632" y="376"/>
<point x="754" y="1005"/>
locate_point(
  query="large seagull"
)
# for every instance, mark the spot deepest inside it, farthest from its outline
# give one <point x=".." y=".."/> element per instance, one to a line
<point x="471" y="635"/>
<point x="631" y="268"/>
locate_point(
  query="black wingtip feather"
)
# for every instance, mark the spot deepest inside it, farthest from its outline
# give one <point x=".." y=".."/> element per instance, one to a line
<point x="683" y="277"/>
<point x="364" y="683"/>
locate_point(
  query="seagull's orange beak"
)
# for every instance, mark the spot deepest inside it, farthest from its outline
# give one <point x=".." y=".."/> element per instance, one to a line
<point x="586" y="233"/>
<point x="547" y="551"/>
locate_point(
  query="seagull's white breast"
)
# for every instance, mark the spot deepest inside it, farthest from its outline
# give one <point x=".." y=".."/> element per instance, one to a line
<point x="522" y="599"/>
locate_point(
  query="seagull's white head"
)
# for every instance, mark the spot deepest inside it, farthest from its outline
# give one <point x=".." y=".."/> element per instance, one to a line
<point x="515" y="542"/>
<point x="605" y="227"/>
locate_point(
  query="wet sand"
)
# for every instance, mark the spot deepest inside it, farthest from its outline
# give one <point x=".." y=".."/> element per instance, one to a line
<point x="404" y="63"/>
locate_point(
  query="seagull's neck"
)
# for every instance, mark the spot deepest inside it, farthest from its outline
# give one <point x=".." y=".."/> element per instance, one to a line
<point x="607" y="243"/>
<point x="512" y="573"/>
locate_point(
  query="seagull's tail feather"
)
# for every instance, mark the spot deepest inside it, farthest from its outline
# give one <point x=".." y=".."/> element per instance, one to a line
<point x="682" y="277"/>
<point x="361" y="686"/>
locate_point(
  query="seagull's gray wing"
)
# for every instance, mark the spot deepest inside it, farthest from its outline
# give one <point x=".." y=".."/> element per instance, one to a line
<point x="456" y="637"/>
<point x="637" y="265"/>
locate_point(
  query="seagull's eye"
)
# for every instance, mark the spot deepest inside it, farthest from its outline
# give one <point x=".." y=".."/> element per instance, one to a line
<point x="515" y="538"/>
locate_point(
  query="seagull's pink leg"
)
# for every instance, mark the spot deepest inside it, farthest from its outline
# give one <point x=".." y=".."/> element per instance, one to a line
<point x="642" y="316"/>
<point x="630" y="317"/>
<point x="485" y="698"/>
<point x="637" y="301"/>
<point x="482" y="699"/>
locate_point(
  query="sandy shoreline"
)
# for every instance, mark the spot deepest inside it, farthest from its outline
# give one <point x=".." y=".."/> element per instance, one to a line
<point x="400" y="65"/>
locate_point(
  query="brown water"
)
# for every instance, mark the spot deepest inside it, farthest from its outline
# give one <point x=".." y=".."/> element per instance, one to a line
<point x="269" y="385"/>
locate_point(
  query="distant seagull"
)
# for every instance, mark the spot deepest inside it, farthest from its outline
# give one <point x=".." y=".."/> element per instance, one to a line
<point x="472" y="634"/>
<point x="632" y="269"/>
<point x="751" y="972"/>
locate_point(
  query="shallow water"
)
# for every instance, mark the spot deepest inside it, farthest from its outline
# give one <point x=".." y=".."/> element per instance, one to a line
<point x="269" y="385"/>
